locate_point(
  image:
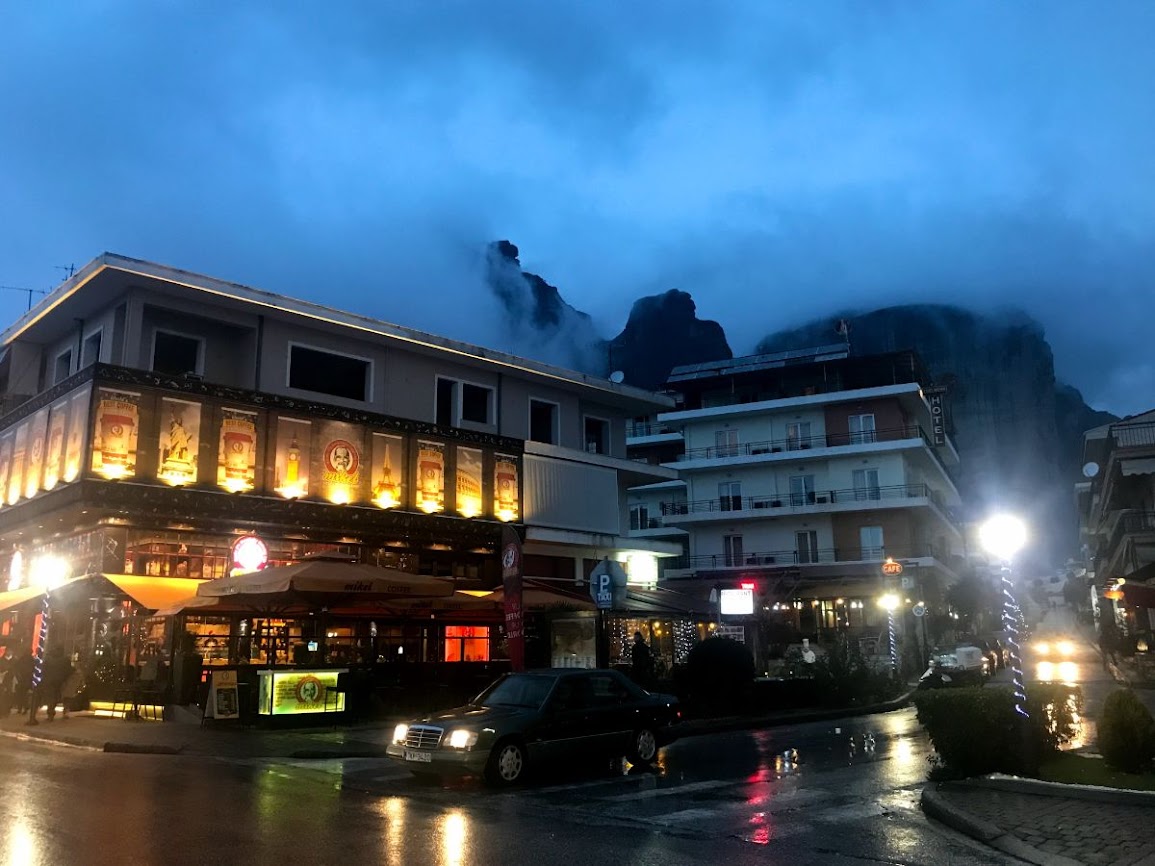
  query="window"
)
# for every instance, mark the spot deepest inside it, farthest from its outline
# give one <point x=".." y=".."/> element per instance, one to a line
<point x="328" y="373"/>
<point x="445" y="410"/>
<point x="726" y="443"/>
<point x="467" y="643"/>
<point x="640" y="517"/>
<point x="543" y="426"/>
<point x="866" y="484"/>
<point x="801" y="490"/>
<point x="176" y="354"/>
<point x="476" y="403"/>
<point x="797" y="435"/>
<point x="732" y="549"/>
<point x="63" y="367"/>
<point x="597" y="435"/>
<point x="90" y="349"/>
<point x="806" y="546"/>
<point x="861" y="429"/>
<point x="870" y="539"/>
<point x="607" y="691"/>
<point x="730" y="495"/>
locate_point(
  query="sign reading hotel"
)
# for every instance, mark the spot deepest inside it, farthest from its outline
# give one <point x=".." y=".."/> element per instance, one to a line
<point x="114" y="436"/>
<point x="237" y="452"/>
<point x="180" y="432"/>
<point x="937" y="416"/>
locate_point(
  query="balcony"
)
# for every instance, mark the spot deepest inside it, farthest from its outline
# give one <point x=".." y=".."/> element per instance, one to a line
<point x="1128" y="523"/>
<point x="811" y="499"/>
<point x="793" y="558"/>
<point x="642" y="429"/>
<point x="1133" y="436"/>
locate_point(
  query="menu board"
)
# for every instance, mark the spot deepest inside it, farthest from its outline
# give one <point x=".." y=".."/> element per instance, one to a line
<point x="295" y="692"/>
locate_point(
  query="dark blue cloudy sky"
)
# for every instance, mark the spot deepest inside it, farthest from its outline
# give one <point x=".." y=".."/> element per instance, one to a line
<point x="778" y="160"/>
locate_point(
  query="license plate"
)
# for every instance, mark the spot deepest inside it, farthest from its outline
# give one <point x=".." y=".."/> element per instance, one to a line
<point x="419" y="757"/>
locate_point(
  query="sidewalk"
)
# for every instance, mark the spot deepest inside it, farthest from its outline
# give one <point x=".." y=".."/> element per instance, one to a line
<point x="1046" y="823"/>
<point x="343" y="741"/>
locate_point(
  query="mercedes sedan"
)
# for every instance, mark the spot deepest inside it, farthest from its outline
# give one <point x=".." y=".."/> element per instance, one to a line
<point x="537" y="718"/>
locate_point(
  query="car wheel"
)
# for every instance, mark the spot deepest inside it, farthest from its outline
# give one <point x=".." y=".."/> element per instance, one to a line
<point x="507" y="763"/>
<point x="644" y="747"/>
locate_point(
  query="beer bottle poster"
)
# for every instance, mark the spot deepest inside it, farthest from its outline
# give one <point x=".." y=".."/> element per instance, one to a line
<point x="237" y="453"/>
<point x="505" y="498"/>
<point x="54" y="456"/>
<point x="6" y="444"/>
<point x="179" y="446"/>
<point x="19" y="457"/>
<point x="294" y="447"/>
<point x="388" y="474"/>
<point x="430" y="476"/>
<point x="468" y="482"/>
<point x="34" y="472"/>
<point x="115" y="433"/>
<point x="77" y="424"/>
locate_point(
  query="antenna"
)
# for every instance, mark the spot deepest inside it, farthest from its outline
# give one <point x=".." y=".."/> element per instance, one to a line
<point x="70" y="268"/>
<point x="24" y="289"/>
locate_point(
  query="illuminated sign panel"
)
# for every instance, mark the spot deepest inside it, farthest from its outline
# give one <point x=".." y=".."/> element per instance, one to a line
<point x="737" y="602"/>
<point x="298" y="692"/>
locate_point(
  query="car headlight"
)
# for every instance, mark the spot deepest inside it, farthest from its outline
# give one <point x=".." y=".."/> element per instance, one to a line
<point x="400" y="733"/>
<point x="1042" y="647"/>
<point x="462" y="739"/>
<point x="1066" y="647"/>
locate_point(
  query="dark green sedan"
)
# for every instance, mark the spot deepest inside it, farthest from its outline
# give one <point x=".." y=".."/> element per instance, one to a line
<point x="537" y="718"/>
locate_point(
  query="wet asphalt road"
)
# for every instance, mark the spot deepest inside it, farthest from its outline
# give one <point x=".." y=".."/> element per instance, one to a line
<point x="823" y="793"/>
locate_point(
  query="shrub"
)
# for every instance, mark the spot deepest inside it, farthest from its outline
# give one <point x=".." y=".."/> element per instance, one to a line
<point x="1126" y="732"/>
<point x="977" y="730"/>
<point x="845" y="678"/>
<point x="718" y="673"/>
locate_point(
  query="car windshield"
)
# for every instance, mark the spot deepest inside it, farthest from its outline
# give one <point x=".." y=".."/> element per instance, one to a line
<point x="517" y="691"/>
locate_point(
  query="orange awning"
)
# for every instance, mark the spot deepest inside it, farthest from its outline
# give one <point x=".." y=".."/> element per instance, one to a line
<point x="17" y="597"/>
<point x="154" y="593"/>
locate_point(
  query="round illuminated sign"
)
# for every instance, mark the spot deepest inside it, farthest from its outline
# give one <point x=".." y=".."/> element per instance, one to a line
<point x="341" y="457"/>
<point x="250" y="553"/>
<point x="891" y="567"/>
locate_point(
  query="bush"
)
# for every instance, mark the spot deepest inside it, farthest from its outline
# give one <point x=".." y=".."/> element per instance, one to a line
<point x="977" y="730"/>
<point x="1126" y="732"/>
<point x="718" y="673"/>
<point x="845" y="678"/>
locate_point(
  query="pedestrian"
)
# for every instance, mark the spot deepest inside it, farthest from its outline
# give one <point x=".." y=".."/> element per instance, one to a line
<point x="6" y="689"/>
<point x="70" y="689"/>
<point x="23" y="666"/>
<point x="57" y="666"/>
<point x="642" y="660"/>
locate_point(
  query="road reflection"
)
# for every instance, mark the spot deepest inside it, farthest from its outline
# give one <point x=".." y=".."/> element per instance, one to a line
<point x="453" y="829"/>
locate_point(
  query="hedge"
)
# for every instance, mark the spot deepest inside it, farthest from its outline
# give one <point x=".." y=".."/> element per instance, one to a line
<point x="1126" y="732"/>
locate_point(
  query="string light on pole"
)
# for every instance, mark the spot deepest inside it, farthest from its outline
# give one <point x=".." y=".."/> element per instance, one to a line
<point x="890" y="602"/>
<point x="48" y="573"/>
<point x="1003" y="536"/>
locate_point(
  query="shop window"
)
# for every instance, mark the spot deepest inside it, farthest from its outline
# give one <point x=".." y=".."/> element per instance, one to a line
<point x="466" y="643"/>
<point x="324" y="372"/>
<point x="176" y="354"/>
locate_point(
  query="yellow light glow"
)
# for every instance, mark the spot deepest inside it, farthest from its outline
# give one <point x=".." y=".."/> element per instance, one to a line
<point x="430" y="505"/>
<point x="1042" y="647"/>
<point x="48" y="572"/>
<point x="1045" y="671"/>
<point x="1068" y="672"/>
<point x="506" y="514"/>
<point x="113" y="471"/>
<point x="236" y="485"/>
<point x="71" y="469"/>
<point x="454" y="828"/>
<point x="292" y="491"/>
<point x="469" y="506"/>
<point x="888" y="601"/>
<point x="1066" y="647"/>
<point x="174" y="479"/>
<point x="339" y="495"/>
<point x="386" y="500"/>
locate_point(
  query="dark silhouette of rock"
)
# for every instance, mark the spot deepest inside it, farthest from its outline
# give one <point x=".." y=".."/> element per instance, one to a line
<point x="664" y="331"/>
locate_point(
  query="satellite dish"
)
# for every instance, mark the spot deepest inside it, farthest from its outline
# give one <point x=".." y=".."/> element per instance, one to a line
<point x="1090" y="470"/>
<point x="617" y="377"/>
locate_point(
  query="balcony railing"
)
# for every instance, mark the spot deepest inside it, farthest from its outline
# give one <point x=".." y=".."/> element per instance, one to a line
<point x="811" y="556"/>
<point x="1133" y="435"/>
<point x="1129" y="523"/>
<point x="636" y="429"/>
<point x="805" y="499"/>
<point x="804" y="443"/>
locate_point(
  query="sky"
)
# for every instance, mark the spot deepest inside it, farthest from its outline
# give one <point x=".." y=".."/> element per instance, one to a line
<point x="777" y="160"/>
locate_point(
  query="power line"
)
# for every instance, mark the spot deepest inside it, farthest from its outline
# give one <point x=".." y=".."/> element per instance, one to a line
<point x="25" y="289"/>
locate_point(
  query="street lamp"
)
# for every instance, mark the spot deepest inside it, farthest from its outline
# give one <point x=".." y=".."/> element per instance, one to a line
<point x="1004" y="535"/>
<point x="46" y="573"/>
<point x="889" y="602"/>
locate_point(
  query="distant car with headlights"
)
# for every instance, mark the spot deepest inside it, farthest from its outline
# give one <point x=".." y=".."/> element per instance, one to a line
<point x="536" y="718"/>
<point x="1056" y="647"/>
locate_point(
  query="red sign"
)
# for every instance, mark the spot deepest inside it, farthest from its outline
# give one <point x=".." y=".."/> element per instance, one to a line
<point x="511" y="574"/>
<point x="891" y="567"/>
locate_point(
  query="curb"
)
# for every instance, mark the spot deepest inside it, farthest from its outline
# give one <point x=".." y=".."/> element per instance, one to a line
<point x="935" y="806"/>
<point x="701" y="727"/>
<point x="1038" y="787"/>
<point x="50" y="740"/>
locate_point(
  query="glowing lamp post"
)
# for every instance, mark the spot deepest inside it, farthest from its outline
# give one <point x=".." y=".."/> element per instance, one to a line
<point x="1003" y="536"/>
<point x="47" y="573"/>
<point x="889" y="602"/>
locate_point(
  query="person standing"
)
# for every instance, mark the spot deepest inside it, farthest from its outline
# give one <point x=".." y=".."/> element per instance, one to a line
<point x="70" y="688"/>
<point x="23" y="665"/>
<point x="642" y="661"/>
<point x="57" y="667"/>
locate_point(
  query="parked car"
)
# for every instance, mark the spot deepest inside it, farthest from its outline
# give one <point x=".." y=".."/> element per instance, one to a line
<point x="536" y="718"/>
<point x="963" y="665"/>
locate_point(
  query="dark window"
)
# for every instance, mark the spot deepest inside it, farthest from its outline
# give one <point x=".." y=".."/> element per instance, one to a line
<point x="326" y="373"/>
<point x="543" y="422"/>
<point x="63" y="367"/>
<point x="475" y="402"/>
<point x="90" y="351"/>
<point x="597" y="436"/>
<point x="175" y="354"/>
<point x="446" y="398"/>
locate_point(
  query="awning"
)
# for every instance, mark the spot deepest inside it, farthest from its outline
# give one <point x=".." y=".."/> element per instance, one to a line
<point x="1141" y="466"/>
<point x="191" y="604"/>
<point x="154" y="593"/>
<point x="17" y="597"/>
